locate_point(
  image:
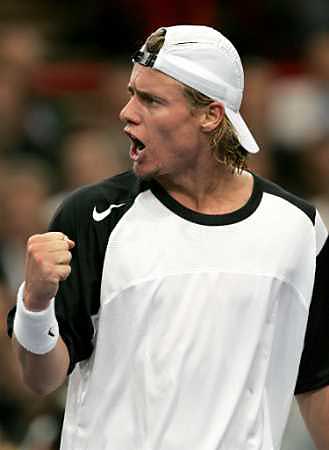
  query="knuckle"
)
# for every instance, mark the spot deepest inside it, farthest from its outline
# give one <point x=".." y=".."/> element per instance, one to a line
<point x="58" y="235"/>
<point x="33" y="238"/>
<point x="52" y="234"/>
<point x="65" y="272"/>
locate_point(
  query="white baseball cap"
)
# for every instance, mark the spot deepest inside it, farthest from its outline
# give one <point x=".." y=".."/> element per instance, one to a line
<point x="202" y="58"/>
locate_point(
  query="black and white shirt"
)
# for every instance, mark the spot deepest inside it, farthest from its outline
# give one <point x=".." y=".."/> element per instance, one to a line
<point x="186" y="330"/>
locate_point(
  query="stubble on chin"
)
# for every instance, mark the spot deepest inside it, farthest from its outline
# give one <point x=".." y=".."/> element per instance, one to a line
<point x="145" y="176"/>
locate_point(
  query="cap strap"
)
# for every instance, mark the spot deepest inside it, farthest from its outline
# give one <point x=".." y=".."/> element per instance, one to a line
<point x="145" y="58"/>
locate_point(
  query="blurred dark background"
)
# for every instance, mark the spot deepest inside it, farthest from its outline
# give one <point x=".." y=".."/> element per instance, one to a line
<point x="64" y="68"/>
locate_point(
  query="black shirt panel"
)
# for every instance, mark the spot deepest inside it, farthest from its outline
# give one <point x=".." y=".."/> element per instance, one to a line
<point x="314" y="366"/>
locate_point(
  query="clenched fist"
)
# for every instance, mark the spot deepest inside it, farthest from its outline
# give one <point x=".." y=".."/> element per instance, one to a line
<point x="48" y="258"/>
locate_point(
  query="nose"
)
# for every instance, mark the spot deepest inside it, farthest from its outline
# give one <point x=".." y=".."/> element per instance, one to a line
<point x="129" y="113"/>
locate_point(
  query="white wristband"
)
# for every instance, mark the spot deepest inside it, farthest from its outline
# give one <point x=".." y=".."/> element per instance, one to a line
<point x="36" y="331"/>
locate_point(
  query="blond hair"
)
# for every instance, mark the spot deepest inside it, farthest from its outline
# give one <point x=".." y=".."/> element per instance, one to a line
<point x="223" y="140"/>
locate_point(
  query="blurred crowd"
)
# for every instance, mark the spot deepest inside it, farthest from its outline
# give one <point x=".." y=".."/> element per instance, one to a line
<point x="59" y="130"/>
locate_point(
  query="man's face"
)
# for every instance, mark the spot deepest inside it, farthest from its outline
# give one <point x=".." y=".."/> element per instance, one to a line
<point x="166" y="136"/>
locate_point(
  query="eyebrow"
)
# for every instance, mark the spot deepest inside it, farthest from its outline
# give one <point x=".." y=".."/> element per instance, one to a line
<point x="143" y="94"/>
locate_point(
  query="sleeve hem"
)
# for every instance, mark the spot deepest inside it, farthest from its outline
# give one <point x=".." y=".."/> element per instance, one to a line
<point x="307" y="387"/>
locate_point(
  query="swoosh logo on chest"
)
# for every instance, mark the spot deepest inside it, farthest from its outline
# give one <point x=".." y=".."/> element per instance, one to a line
<point x="98" y="216"/>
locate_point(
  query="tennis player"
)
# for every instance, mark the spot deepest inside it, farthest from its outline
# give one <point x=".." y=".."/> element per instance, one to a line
<point x="187" y="300"/>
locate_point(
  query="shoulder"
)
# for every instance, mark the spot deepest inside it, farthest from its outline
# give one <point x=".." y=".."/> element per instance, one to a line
<point x="122" y="188"/>
<point x="273" y="189"/>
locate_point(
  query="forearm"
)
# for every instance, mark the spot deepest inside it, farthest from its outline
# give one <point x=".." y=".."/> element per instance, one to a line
<point x="314" y="407"/>
<point x="43" y="373"/>
<point x="42" y="354"/>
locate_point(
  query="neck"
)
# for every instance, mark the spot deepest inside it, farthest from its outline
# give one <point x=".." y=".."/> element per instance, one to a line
<point x="215" y="191"/>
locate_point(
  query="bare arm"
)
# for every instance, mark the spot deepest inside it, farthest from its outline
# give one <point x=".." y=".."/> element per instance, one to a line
<point x="43" y="373"/>
<point x="47" y="263"/>
<point x="314" y="407"/>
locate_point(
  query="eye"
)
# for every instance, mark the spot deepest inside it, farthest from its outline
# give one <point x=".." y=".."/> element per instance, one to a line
<point x="149" y="99"/>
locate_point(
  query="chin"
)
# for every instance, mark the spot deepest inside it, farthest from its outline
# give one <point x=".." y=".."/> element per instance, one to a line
<point x="144" y="172"/>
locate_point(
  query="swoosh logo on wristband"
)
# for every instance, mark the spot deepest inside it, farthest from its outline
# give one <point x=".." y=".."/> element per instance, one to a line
<point x="51" y="332"/>
<point x="98" y="216"/>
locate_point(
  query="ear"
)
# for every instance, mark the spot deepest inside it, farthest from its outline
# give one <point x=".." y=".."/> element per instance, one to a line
<point x="212" y="116"/>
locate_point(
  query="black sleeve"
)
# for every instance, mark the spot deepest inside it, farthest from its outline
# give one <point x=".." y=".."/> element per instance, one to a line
<point x="314" y="366"/>
<point x="78" y="296"/>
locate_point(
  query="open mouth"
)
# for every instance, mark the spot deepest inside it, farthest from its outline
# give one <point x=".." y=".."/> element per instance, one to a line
<point x="136" y="148"/>
<point x="138" y="144"/>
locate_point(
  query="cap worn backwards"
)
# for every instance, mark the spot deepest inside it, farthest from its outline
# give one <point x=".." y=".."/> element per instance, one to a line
<point x="202" y="58"/>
